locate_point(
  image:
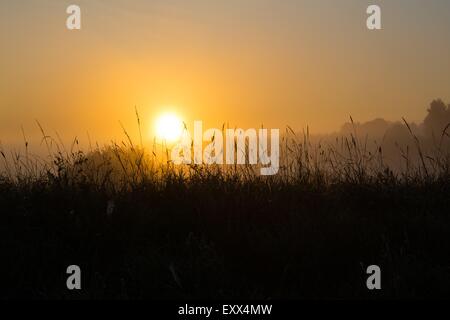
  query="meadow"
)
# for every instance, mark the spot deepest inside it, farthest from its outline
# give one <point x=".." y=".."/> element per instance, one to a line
<point x="141" y="227"/>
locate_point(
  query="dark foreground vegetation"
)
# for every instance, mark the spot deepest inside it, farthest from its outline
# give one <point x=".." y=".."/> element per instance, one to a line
<point x="139" y="229"/>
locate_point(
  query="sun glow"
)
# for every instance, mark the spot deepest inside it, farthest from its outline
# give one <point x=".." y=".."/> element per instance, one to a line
<point x="169" y="127"/>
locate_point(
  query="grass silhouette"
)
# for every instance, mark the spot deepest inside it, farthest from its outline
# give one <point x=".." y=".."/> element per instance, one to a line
<point x="140" y="227"/>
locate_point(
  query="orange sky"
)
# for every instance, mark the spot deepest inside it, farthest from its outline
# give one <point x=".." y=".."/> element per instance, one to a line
<point x="243" y="62"/>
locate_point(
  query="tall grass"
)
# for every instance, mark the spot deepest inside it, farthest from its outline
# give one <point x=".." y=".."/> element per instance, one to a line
<point x="126" y="163"/>
<point x="141" y="227"/>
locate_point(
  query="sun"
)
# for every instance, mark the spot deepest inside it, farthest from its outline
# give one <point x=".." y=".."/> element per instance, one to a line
<point x="169" y="127"/>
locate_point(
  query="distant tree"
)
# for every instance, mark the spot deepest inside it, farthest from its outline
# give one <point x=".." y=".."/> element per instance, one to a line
<point x="437" y="119"/>
<point x="375" y="128"/>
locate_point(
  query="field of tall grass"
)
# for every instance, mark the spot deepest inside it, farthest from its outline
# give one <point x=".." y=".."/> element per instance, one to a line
<point x="141" y="227"/>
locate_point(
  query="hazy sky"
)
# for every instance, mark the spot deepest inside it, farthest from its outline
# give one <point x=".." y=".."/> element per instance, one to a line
<point x="246" y="62"/>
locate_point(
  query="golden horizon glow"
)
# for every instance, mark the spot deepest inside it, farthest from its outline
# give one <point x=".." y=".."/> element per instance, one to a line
<point x="168" y="127"/>
<point x="245" y="63"/>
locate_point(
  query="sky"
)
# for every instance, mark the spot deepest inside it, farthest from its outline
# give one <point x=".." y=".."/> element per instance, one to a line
<point x="242" y="62"/>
